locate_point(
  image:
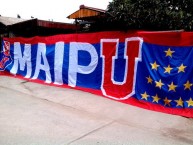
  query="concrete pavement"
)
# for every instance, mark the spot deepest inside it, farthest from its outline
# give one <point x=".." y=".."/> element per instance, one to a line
<point x="36" y="114"/>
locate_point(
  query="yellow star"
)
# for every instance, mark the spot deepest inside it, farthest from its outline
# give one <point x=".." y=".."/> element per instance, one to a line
<point x="181" y="68"/>
<point x="159" y="84"/>
<point x="190" y="102"/>
<point x="169" y="52"/>
<point x="172" y="87"/>
<point x="156" y="98"/>
<point x="144" y="96"/>
<point x="168" y="69"/>
<point x="187" y="85"/>
<point x="154" y="65"/>
<point x="179" y="102"/>
<point x="166" y="101"/>
<point x="149" y="80"/>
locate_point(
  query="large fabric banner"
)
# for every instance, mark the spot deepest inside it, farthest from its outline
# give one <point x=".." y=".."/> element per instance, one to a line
<point x="152" y="70"/>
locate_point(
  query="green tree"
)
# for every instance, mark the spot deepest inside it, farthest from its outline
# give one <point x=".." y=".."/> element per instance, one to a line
<point x="151" y="14"/>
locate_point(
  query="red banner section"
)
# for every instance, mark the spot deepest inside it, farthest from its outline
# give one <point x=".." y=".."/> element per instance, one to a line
<point x="151" y="70"/>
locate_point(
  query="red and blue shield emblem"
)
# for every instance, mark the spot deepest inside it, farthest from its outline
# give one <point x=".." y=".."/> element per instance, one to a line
<point x="5" y="57"/>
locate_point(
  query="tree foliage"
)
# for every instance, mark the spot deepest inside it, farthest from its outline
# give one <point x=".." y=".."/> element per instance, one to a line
<point x="151" y="14"/>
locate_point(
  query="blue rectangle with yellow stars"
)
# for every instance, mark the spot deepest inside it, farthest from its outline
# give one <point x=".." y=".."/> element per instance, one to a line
<point x="165" y="76"/>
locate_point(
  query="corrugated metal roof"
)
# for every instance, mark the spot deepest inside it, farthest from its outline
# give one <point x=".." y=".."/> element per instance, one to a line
<point x="10" y="21"/>
<point x="57" y="25"/>
<point x="46" y="24"/>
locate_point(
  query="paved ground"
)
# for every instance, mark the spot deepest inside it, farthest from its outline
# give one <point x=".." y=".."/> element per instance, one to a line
<point x="35" y="114"/>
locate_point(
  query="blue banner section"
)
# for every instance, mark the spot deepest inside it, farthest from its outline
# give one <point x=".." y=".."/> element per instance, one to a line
<point x="165" y="76"/>
<point x="91" y="80"/>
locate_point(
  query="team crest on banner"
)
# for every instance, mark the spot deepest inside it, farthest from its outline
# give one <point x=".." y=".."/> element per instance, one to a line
<point x="5" y="57"/>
